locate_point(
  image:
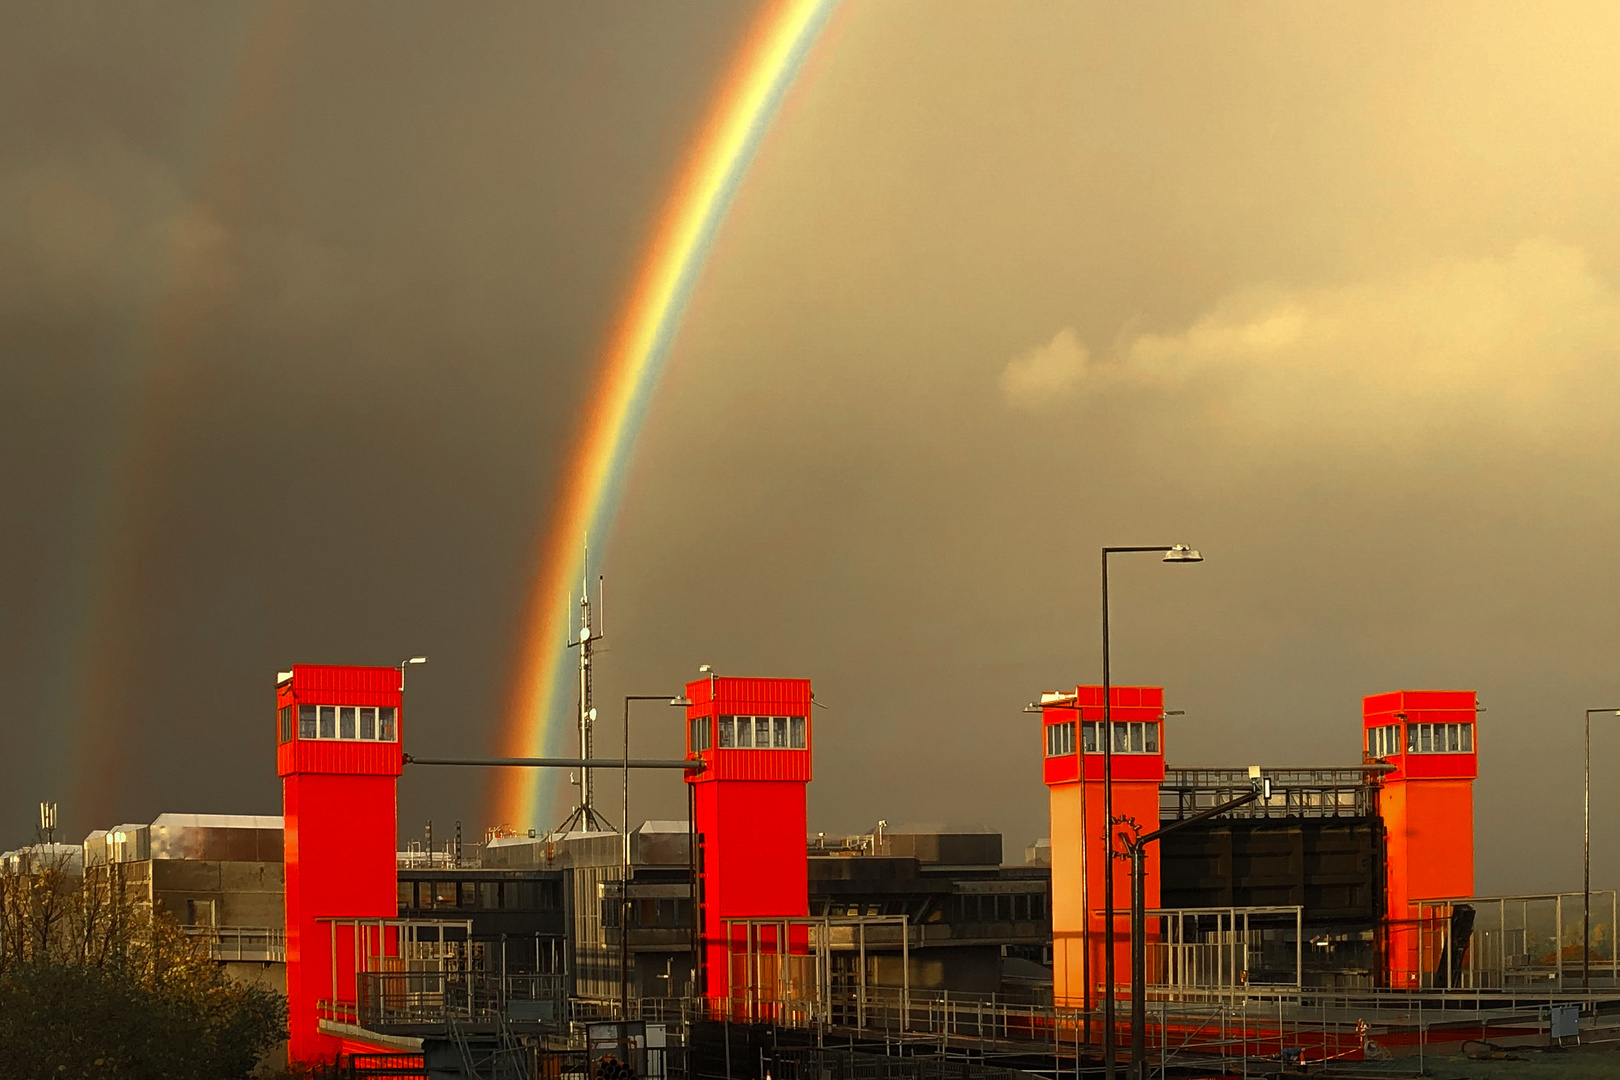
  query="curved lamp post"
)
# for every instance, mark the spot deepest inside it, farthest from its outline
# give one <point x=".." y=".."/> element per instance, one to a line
<point x="1173" y="553"/>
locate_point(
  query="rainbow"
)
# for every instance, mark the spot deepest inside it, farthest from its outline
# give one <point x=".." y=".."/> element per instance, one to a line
<point x="542" y="690"/>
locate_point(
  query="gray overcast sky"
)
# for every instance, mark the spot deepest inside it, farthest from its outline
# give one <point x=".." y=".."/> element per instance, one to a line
<point x="296" y="305"/>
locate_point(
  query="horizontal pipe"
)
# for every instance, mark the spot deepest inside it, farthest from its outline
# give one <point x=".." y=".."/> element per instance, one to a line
<point x="1272" y="769"/>
<point x="561" y="763"/>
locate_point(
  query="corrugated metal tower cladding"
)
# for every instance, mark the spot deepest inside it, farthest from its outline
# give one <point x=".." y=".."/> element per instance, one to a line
<point x="339" y="757"/>
<point x="1424" y="805"/>
<point x="755" y="738"/>
<point x="1079" y="859"/>
<point x="1427" y="807"/>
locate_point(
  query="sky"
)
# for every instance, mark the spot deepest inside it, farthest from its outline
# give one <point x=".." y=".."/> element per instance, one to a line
<point x="299" y="307"/>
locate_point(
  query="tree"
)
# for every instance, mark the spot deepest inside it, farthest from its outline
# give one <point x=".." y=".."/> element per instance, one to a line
<point x="94" y="986"/>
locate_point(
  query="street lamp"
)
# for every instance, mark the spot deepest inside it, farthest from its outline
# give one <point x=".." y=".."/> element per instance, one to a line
<point x="679" y="701"/>
<point x="1586" y="858"/>
<point x="1173" y="553"/>
<point x="402" y="666"/>
<point x="1260" y="788"/>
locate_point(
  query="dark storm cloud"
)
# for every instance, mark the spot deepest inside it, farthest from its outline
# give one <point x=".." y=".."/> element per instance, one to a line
<point x="1331" y="294"/>
<point x="296" y="305"/>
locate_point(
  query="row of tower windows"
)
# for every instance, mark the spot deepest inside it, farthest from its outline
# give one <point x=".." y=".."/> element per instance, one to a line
<point x="1421" y="739"/>
<point x="356" y="722"/>
<point x="752" y="733"/>
<point x="1130" y="737"/>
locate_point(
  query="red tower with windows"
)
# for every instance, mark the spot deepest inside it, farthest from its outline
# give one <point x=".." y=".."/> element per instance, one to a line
<point x="754" y="738"/>
<point x="1427" y="806"/>
<point x="1073" y="723"/>
<point x="338" y="754"/>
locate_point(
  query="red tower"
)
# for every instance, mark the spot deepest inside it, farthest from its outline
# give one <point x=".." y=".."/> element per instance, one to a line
<point x="754" y="738"/>
<point x="339" y="758"/>
<point x="1427" y="806"/>
<point x="1079" y="857"/>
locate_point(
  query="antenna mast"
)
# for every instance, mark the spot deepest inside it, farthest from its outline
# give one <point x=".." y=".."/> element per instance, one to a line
<point x="583" y="817"/>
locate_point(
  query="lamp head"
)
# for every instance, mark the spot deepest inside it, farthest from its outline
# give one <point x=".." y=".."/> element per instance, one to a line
<point x="679" y="701"/>
<point x="415" y="660"/>
<point x="1182" y="553"/>
<point x="705" y="669"/>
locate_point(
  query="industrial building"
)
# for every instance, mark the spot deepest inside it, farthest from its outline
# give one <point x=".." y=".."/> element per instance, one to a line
<point x="1352" y="880"/>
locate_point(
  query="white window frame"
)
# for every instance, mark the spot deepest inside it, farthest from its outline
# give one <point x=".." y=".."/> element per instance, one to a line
<point x="1145" y="736"/>
<point x="1455" y="738"/>
<point x="383" y="721"/>
<point x="1060" y="739"/>
<point x="777" y="733"/>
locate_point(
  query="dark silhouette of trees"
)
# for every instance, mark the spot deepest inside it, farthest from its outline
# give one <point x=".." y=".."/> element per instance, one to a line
<point x="95" y="986"/>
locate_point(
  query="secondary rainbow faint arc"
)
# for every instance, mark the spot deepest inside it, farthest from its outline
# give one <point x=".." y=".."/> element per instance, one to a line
<point x="543" y="690"/>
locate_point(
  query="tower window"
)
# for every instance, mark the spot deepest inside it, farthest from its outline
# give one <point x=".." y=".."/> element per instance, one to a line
<point x="1060" y="739"/>
<point x="1384" y="741"/>
<point x="756" y="733"/>
<point x="343" y="722"/>
<point x="1439" y="738"/>
<point x="1130" y="737"/>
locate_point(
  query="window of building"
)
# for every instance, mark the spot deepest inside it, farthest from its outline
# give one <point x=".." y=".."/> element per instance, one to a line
<point x="1384" y="741"/>
<point x="489" y="895"/>
<point x="444" y="894"/>
<point x="347" y="722"/>
<point x="523" y="896"/>
<point x="758" y="732"/>
<point x="700" y="733"/>
<point x="1060" y="739"/>
<point x="1130" y="737"/>
<point x="407" y="895"/>
<point x="1439" y="738"/>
